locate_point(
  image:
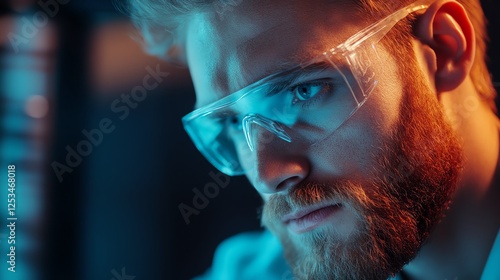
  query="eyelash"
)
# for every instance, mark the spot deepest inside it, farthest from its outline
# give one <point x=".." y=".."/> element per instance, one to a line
<point x="328" y="87"/>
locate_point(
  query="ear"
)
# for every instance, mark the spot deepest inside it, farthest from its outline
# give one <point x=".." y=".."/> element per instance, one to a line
<point x="447" y="30"/>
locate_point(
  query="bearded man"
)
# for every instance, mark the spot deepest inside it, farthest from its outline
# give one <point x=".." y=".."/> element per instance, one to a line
<point x="368" y="127"/>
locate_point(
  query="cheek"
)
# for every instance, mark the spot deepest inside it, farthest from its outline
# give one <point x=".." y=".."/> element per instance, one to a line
<point x="351" y="150"/>
<point x="382" y="110"/>
<point x="347" y="153"/>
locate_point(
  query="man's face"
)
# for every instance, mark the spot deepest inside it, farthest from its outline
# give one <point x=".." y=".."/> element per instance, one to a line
<point x="358" y="204"/>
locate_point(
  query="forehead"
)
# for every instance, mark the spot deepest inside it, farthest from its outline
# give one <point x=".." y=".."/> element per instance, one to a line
<point x="233" y="46"/>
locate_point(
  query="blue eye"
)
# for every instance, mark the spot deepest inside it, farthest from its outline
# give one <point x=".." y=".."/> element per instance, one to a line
<point x="307" y="92"/>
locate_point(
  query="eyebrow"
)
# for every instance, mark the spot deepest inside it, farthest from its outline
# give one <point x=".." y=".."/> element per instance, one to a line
<point x="283" y="77"/>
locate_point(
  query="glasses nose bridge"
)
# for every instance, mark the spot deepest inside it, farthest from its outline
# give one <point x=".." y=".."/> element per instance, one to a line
<point x="272" y="126"/>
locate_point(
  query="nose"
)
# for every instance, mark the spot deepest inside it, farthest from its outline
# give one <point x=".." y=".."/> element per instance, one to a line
<point x="277" y="165"/>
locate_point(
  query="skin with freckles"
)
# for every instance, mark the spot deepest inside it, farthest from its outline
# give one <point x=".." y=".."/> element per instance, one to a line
<point x="385" y="178"/>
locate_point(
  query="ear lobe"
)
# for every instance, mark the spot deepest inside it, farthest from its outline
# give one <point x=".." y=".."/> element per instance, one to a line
<point x="447" y="30"/>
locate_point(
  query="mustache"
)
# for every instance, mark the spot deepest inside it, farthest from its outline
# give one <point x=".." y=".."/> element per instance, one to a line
<point x="312" y="193"/>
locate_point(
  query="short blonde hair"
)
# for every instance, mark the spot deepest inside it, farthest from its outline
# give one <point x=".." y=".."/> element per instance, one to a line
<point x="158" y="21"/>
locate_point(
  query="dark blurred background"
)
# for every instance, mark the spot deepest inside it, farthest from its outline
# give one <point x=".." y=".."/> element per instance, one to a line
<point x="103" y="165"/>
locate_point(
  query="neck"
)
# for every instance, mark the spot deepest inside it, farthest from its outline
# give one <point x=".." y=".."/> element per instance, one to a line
<point x="460" y="245"/>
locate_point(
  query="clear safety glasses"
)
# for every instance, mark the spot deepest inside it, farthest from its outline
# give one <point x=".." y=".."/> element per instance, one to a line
<point x="308" y="102"/>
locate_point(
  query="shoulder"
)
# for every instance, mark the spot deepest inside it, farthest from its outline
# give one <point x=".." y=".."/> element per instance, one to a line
<point x="249" y="255"/>
<point x="491" y="270"/>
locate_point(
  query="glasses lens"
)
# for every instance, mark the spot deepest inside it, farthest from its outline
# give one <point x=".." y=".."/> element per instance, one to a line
<point x="309" y="102"/>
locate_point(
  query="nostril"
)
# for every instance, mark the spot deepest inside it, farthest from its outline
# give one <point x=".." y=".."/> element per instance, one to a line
<point x="288" y="183"/>
<point x="280" y="174"/>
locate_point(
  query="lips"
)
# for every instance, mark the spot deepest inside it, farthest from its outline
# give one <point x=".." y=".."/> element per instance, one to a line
<point x="307" y="219"/>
